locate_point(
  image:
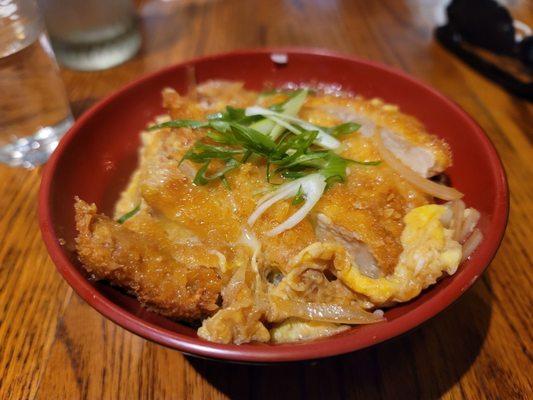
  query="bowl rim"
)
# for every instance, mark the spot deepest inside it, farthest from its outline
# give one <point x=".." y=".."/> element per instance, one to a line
<point x="264" y="353"/>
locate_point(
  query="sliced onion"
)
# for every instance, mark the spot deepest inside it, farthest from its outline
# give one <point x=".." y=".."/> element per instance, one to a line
<point x="458" y="210"/>
<point x="324" y="312"/>
<point x="469" y="223"/>
<point x="231" y="290"/>
<point x="222" y="263"/>
<point x="313" y="190"/>
<point x="423" y="184"/>
<point x="283" y="192"/>
<point x="471" y="243"/>
<point x="313" y="187"/>
<point x="447" y="215"/>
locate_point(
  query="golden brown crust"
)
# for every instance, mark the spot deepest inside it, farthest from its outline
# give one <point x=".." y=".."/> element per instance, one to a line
<point x="372" y="202"/>
<point x="328" y="110"/>
<point x="111" y="251"/>
<point x="187" y="241"/>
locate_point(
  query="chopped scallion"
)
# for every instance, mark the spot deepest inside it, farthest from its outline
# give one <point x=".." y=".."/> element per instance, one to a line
<point x="129" y="214"/>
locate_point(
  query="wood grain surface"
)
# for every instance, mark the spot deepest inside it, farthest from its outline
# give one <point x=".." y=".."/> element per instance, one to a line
<point x="54" y="346"/>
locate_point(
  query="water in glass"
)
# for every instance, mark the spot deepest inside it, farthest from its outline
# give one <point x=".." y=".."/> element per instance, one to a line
<point x="34" y="110"/>
<point x="92" y="34"/>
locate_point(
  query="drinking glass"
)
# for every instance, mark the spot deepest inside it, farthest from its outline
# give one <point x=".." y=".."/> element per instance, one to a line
<point x="34" y="109"/>
<point x="91" y="34"/>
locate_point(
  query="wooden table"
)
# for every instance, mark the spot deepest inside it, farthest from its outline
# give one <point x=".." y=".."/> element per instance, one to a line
<point x="54" y="346"/>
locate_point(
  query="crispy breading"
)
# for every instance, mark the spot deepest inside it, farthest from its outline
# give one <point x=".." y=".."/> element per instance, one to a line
<point x="186" y="242"/>
<point x="371" y="203"/>
<point x="407" y="131"/>
<point x="111" y="251"/>
<point x="215" y="215"/>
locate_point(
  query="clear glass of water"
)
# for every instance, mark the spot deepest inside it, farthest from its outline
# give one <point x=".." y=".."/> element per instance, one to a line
<point x="91" y="35"/>
<point x="34" y="109"/>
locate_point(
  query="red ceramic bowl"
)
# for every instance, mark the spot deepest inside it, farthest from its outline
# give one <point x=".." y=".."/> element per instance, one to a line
<point x="97" y="155"/>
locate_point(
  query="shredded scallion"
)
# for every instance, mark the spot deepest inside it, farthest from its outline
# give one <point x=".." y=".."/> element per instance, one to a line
<point x="297" y="150"/>
<point x="129" y="214"/>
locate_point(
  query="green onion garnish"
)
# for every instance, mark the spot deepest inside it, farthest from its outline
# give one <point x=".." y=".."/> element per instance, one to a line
<point x="129" y="214"/>
<point x="343" y="129"/>
<point x="297" y="150"/>
<point x="299" y="198"/>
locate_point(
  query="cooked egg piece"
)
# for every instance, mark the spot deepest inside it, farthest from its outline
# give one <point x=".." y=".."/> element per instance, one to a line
<point x="295" y="330"/>
<point x="428" y="252"/>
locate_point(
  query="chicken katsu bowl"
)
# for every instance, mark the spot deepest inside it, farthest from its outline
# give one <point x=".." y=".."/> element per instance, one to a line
<point x="273" y="205"/>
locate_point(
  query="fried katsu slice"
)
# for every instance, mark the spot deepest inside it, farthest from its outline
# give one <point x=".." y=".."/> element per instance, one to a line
<point x="365" y="213"/>
<point x="126" y="258"/>
<point x="404" y="135"/>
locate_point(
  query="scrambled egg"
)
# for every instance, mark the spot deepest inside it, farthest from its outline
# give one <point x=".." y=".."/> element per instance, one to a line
<point x="428" y="251"/>
<point x="295" y="330"/>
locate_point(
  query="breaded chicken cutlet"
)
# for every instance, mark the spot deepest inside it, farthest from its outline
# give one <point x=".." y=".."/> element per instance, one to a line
<point x="113" y="252"/>
<point x="371" y="238"/>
